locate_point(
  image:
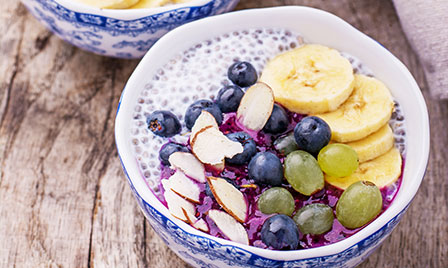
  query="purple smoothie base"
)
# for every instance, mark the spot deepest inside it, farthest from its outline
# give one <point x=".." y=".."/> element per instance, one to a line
<point x="329" y="195"/>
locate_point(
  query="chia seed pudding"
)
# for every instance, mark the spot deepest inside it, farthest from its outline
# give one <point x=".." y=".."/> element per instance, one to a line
<point x="199" y="73"/>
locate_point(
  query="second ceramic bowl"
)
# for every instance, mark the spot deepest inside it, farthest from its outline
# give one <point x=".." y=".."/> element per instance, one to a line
<point x="126" y="33"/>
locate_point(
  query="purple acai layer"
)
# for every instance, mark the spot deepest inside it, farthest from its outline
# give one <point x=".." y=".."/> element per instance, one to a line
<point x="329" y="195"/>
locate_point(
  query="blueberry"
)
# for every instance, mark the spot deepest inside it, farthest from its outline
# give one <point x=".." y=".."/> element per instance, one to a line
<point x="278" y="121"/>
<point x="229" y="98"/>
<point x="248" y="145"/>
<point x="163" y="123"/>
<point x="195" y="109"/>
<point x="312" y="134"/>
<point x="242" y="74"/>
<point x="169" y="149"/>
<point x="266" y="168"/>
<point x="280" y="232"/>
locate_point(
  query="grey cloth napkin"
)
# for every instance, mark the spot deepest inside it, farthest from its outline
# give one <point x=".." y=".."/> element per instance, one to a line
<point x="425" y="23"/>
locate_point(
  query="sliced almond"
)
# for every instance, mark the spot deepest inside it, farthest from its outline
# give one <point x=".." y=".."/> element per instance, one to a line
<point x="198" y="224"/>
<point x="211" y="146"/>
<point x="188" y="164"/>
<point x="190" y="218"/>
<point x="256" y="106"/>
<point x="229" y="197"/>
<point x="205" y="119"/>
<point x="178" y="206"/>
<point x="185" y="187"/>
<point x="218" y="167"/>
<point x="201" y="225"/>
<point x="229" y="226"/>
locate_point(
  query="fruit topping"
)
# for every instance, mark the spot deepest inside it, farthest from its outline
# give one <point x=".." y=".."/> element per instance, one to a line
<point x="374" y="145"/>
<point x="195" y="109"/>
<point x="310" y="79"/>
<point x="205" y="119"/>
<point x="303" y="173"/>
<point x="210" y="146"/>
<point x="265" y="168"/>
<point x="314" y="219"/>
<point x="229" y="197"/>
<point x="242" y="73"/>
<point x="309" y="120"/>
<point x="168" y="149"/>
<point x="163" y="123"/>
<point x="280" y="232"/>
<point x="276" y="200"/>
<point x="229" y="98"/>
<point x="338" y="160"/>
<point x="178" y="206"/>
<point x="113" y="4"/>
<point x="185" y="187"/>
<point x="286" y="144"/>
<point x="249" y="148"/>
<point x="359" y="204"/>
<point x="382" y="171"/>
<point x="188" y="164"/>
<point x="256" y="107"/>
<point x="229" y="226"/>
<point x="278" y="121"/>
<point x="312" y="134"/>
<point x="365" y="111"/>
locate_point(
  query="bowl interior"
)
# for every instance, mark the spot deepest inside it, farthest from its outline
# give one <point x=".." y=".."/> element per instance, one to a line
<point x="316" y="27"/>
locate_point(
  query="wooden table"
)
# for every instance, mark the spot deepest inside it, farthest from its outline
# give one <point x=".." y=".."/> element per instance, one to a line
<point x="64" y="201"/>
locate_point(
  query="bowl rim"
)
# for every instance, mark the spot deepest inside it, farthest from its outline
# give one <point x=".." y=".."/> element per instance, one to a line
<point x="127" y="14"/>
<point x="391" y="213"/>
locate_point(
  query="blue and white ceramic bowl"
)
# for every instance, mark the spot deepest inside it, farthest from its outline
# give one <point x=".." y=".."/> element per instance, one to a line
<point x="202" y="250"/>
<point x="119" y="33"/>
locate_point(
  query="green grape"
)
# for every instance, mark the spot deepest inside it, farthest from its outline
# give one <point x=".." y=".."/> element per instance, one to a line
<point x="338" y="160"/>
<point x="276" y="200"/>
<point x="314" y="219"/>
<point x="286" y="144"/>
<point x="360" y="203"/>
<point x="303" y="172"/>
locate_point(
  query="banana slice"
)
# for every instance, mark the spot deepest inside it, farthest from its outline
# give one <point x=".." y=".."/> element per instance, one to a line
<point x="310" y="79"/>
<point x="150" y="3"/>
<point x="374" y="145"/>
<point x="366" y="111"/>
<point x="110" y="4"/>
<point x="382" y="171"/>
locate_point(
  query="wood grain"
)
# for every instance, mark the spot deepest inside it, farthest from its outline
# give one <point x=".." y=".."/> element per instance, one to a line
<point x="64" y="200"/>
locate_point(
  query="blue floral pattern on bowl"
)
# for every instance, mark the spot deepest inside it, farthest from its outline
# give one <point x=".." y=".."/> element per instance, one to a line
<point x="114" y="37"/>
<point x="203" y="252"/>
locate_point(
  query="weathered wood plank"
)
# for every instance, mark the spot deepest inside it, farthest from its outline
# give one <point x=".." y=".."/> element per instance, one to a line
<point x="64" y="200"/>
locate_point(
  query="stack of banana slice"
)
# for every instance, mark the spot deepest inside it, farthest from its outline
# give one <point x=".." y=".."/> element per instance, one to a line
<point x="317" y="80"/>
<point x="131" y="4"/>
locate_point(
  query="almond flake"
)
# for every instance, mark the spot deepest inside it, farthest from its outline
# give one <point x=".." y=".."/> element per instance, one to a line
<point x="185" y="187"/>
<point x="229" y="226"/>
<point x="188" y="164"/>
<point x="190" y="218"/>
<point x="177" y="206"/>
<point x="218" y="167"/>
<point x="211" y="146"/>
<point x="205" y="119"/>
<point x="229" y="197"/>
<point x="201" y="225"/>
<point x="256" y="107"/>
